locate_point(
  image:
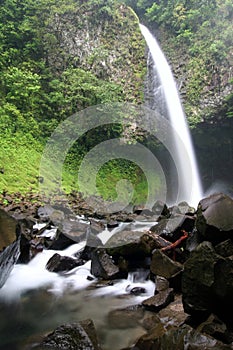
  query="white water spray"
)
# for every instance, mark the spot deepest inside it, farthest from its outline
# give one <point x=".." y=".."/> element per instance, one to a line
<point x="178" y="122"/>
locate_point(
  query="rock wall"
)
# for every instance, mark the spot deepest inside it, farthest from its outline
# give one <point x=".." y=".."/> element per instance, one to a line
<point x="108" y="44"/>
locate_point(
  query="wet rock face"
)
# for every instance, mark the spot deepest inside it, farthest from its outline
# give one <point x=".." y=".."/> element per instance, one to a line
<point x="183" y="337"/>
<point x="9" y="245"/>
<point x="159" y="301"/>
<point x="102" y="266"/>
<point x="214" y="218"/>
<point x="207" y="282"/>
<point x="163" y="266"/>
<point x="8" y="258"/>
<point x="58" y="263"/>
<point x="8" y="226"/>
<point x="75" y="336"/>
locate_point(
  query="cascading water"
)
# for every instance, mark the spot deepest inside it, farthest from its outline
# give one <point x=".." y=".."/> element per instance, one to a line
<point x="178" y="122"/>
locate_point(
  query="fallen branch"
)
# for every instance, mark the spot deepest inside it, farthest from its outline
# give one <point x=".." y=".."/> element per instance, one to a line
<point x="176" y="243"/>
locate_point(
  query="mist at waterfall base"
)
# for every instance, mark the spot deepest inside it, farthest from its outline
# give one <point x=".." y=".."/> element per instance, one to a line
<point x="166" y="99"/>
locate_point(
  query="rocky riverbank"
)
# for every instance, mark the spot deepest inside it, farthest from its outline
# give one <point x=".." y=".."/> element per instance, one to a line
<point x="186" y="252"/>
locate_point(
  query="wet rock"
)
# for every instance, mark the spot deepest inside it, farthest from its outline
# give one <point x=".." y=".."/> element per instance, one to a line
<point x="173" y="314"/>
<point x="74" y="336"/>
<point x="102" y="266"/>
<point x="216" y="328"/>
<point x="163" y="266"/>
<point x="60" y="241"/>
<point x="112" y="224"/>
<point x="198" y="279"/>
<point x="137" y="291"/>
<point x="92" y="243"/>
<point x="153" y="241"/>
<point x="8" y="258"/>
<point x="222" y="290"/>
<point x="225" y="248"/>
<point x="134" y="244"/>
<point x="171" y="229"/>
<point x="9" y="229"/>
<point x="44" y="213"/>
<point x="73" y="229"/>
<point x="159" y="301"/>
<point x="141" y="210"/>
<point x="125" y="318"/>
<point x="181" y="338"/>
<point x="58" y="263"/>
<point x="96" y="226"/>
<point x="126" y="244"/>
<point x="160" y="209"/>
<point x="214" y="218"/>
<point x="150" y="322"/>
<point x="161" y="284"/>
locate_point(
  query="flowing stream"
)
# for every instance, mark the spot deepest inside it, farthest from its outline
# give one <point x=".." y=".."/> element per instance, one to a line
<point x="37" y="300"/>
<point x="191" y="189"/>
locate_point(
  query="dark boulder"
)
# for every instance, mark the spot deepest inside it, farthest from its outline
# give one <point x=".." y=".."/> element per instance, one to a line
<point x="103" y="266"/>
<point x="225" y="248"/>
<point x="8" y="258"/>
<point x="163" y="266"/>
<point x="128" y="317"/>
<point x="222" y="290"/>
<point x="9" y="229"/>
<point x="92" y="243"/>
<point x="134" y="244"/>
<point x="178" y="338"/>
<point x="60" y="241"/>
<point x="160" y="209"/>
<point x="214" y="218"/>
<point x="216" y="328"/>
<point x="172" y="229"/>
<point x="58" y="263"/>
<point x="73" y="229"/>
<point x="159" y="301"/>
<point x="74" y="336"/>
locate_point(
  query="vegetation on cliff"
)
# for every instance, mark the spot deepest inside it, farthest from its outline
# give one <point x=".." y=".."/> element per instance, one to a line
<point x="57" y="58"/>
<point x="197" y="38"/>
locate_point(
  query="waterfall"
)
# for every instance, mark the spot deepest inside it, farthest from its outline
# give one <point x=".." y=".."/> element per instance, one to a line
<point x="178" y="121"/>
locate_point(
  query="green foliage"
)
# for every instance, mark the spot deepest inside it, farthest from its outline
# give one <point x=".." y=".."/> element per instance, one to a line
<point x="43" y="82"/>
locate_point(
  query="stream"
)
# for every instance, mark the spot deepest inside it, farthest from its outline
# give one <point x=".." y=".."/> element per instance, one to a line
<point x="34" y="301"/>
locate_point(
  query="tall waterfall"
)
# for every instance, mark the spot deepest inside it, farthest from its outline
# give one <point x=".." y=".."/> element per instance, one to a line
<point x="178" y="121"/>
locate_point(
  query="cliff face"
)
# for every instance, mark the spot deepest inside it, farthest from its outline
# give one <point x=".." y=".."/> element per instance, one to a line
<point x="104" y="41"/>
<point x="205" y="83"/>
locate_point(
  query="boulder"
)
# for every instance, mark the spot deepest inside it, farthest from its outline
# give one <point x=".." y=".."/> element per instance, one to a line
<point x="216" y="328"/>
<point x="8" y="258"/>
<point x="103" y="266"/>
<point x="159" y="301"/>
<point x="58" y="263"/>
<point x="127" y="244"/>
<point x="92" y="243"/>
<point x="74" y="336"/>
<point x="73" y="229"/>
<point x="9" y="229"/>
<point x="160" y="209"/>
<point x="128" y="317"/>
<point x="171" y="229"/>
<point x="163" y="266"/>
<point x="214" y="218"/>
<point x="198" y="279"/>
<point x="222" y="289"/>
<point x="225" y="248"/>
<point x="161" y="284"/>
<point x="60" y="241"/>
<point x="178" y="338"/>
<point x="134" y="244"/>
